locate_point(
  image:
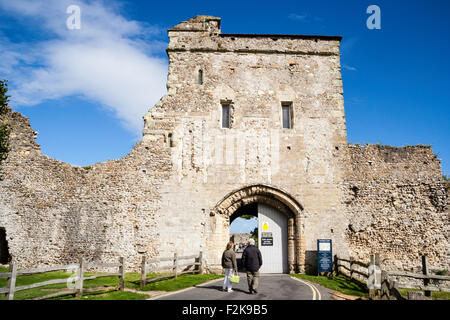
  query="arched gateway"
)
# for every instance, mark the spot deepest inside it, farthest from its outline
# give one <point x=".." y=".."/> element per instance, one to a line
<point x="274" y="206"/>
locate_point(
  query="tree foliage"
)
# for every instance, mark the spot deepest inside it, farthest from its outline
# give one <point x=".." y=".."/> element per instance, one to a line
<point x="446" y="180"/>
<point x="247" y="216"/>
<point x="4" y="128"/>
<point x="254" y="235"/>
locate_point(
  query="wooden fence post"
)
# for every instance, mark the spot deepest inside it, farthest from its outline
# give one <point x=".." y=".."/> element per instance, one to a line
<point x="143" y="273"/>
<point x="384" y="286"/>
<point x="80" y="278"/>
<point x="175" y="265"/>
<point x="371" y="267"/>
<point x="426" y="282"/>
<point x="394" y="289"/>
<point x="377" y="260"/>
<point x="351" y="267"/>
<point x="200" y="261"/>
<point x="11" y="284"/>
<point x="336" y="265"/>
<point x="378" y="264"/>
<point x="122" y="274"/>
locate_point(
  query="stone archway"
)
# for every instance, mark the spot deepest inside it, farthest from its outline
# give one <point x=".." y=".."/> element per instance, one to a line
<point x="279" y="200"/>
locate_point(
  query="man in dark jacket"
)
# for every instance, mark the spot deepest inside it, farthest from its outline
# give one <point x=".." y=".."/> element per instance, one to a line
<point x="252" y="261"/>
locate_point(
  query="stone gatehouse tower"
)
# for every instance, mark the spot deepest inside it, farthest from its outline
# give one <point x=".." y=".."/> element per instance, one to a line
<point x="249" y="123"/>
<point x="223" y="122"/>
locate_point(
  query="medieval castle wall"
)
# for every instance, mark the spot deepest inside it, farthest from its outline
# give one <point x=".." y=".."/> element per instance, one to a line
<point x="164" y="196"/>
<point x="55" y="213"/>
<point x="396" y="205"/>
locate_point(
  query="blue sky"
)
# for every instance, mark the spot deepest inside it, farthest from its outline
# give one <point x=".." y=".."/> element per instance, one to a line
<point x="85" y="91"/>
<point x="240" y="225"/>
<point x="395" y="79"/>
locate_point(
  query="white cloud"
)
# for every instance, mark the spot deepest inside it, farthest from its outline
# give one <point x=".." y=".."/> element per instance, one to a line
<point x="298" y="17"/>
<point x="345" y="66"/>
<point x="304" y="17"/>
<point x="348" y="44"/>
<point x="110" y="60"/>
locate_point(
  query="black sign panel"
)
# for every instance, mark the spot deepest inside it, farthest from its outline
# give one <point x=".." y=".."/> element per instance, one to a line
<point x="267" y="241"/>
<point x="325" y="258"/>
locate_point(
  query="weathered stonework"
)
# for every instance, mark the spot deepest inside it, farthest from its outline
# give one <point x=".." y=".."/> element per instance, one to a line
<point x="179" y="187"/>
<point x="54" y="212"/>
<point x="396" y="204"/>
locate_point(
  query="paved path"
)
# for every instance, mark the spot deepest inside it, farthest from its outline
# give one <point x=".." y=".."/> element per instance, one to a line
<point x="271" y="287"/>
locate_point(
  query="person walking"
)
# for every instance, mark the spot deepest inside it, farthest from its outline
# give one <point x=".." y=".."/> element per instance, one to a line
<point x="230" y="265"/>
<point x="252" y="262"/>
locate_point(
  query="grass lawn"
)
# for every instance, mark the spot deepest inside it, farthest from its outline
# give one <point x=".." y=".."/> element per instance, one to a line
<point x="337" y="283"/>
<point x="345" y="286"/>
<point x="132" y="281"/>
<point x="434" y="294"/>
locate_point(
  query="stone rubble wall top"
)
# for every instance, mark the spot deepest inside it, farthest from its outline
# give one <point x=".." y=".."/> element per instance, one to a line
<point x="203" y="34"/>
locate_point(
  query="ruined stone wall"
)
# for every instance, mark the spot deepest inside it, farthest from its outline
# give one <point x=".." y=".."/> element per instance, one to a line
<point x="162" y="197"/>
<point x="395" y="203"/>
<point x="55" y="213"/>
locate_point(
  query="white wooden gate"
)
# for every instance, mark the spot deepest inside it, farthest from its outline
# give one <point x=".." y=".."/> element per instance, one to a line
<point x="272" y="239"/>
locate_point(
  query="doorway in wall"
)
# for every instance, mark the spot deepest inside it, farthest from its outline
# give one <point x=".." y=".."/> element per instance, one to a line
<point x="268" y="227"/>
<point x="243" y="226"/>
<point x="4" y="250"/>
<point x="251" y="200"/>
<point x="272" y="239"/>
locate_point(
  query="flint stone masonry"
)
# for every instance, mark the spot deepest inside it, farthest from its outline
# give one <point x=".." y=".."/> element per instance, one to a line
<point x="54" y="213"/>
<point x="181" y="185"/>
<point x="396" y="204"/>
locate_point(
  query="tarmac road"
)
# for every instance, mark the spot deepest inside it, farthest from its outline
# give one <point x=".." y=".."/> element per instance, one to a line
<point x="271" y="287"/>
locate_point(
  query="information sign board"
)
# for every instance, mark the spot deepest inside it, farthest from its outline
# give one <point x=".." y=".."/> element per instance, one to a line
<point x="325" y="257"/>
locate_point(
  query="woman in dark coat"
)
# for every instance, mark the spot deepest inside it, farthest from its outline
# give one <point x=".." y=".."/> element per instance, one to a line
<point x="230" y="265"/>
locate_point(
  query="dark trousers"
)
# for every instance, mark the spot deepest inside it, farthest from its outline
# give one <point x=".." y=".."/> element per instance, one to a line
<point x="252" y="279"/>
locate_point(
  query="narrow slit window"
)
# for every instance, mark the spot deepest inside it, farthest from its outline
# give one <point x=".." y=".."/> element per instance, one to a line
<point x="200" y="76"/>
<point x="225" y="116"/>
<point x="170" y="140"/>
<point x="287" y="116"/>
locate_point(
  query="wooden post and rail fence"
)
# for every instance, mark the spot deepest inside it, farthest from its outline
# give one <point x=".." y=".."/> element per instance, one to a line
<point x="381" y="283"/>
<point x="196" y="262"/>
<point x="76" y="288"/>
<point x="75" y="285"/>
